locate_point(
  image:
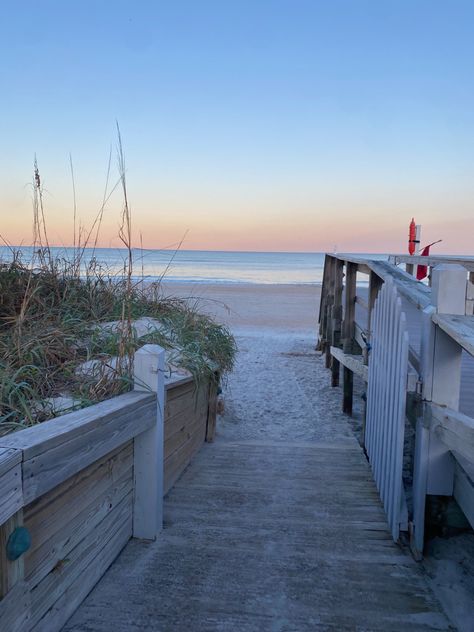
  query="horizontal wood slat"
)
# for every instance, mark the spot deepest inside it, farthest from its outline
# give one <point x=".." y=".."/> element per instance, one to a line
<point x="454" y="429"/>
<point x="352" y="362"/>
<point x="11" y="493"/>
<point x="59" y="457"/>
<point x="459" y="328"/>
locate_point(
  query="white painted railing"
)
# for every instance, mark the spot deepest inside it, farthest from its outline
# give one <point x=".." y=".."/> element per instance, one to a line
<point x="386" y="402"/>
<point x="443" y="454"/>
<point x="440" y="428"/>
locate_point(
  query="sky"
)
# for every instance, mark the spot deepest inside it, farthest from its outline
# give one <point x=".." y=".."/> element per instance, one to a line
<point x="292" y="125"/>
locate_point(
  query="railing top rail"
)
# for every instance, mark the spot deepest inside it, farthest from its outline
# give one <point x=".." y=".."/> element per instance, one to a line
<point x="466" y="262"/>
<point x="459" y="328"/>
<point x="411" y="289"/>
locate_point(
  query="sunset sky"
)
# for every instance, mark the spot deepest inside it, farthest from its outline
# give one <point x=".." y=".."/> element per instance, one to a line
<point x="294" y="125"/>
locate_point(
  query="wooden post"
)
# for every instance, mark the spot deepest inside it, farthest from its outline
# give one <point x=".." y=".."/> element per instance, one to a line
<point x="470" y="295"/>
<point x="212" y="409"/>
<point x="328" y="308"/>
<point x="322" y="334"/>
<point x="375" y="283"/>
<point x="348" y="334"/>
<point x="336" y="317"/>
<point x="148" y="460"/>
<point x="441" y="377"/>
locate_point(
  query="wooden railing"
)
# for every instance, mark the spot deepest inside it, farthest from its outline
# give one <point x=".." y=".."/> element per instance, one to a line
<point x="444" y="446"/>
<point x="411" y="263"/>
<point x="75" y="489"/>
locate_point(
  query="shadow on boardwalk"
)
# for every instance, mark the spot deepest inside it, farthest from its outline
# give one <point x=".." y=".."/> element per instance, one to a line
<point x="277" y="526"/>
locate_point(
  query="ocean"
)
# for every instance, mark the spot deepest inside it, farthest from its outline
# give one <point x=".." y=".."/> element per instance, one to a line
<point x="204" y="266"/>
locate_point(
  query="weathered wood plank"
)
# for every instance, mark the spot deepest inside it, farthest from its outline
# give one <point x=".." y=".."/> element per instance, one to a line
<point x="432" y="261"/>
<point x="63" y="523"/>
<point x="353" y="362"/>
<point x="8" y="459"/>
<point x="454" y="429"/>
<point x="211" y="412"/>
<point x="336" y="316"/>
<point x="11" y="571"/>
<point x="459" y="328"/>
<point x="50" y="434"/>
<point x="175" y="380"/>
<point x="11" y="492"/>
<point x="177" y="462"/>
<point x="15" y="609"/>
<point x="48" y="468"/>
<point x="55" y="618"/>
<point x="310" y="541"/>
<point x="362" y="302"/>
<point x="188" y="426"/>
<point x="113" y="533"/>
<point x="176" y="407"/>
<point x="464" y="487"/>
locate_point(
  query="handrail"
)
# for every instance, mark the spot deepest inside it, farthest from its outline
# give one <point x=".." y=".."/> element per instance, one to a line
<point x="431" y="260"/>
<point x="414" y="291"/>
<point x="459" y="328"/>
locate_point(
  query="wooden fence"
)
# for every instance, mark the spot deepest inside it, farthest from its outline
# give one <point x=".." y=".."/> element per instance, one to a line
<point x="75" y="489"/>
<point x="358" y="331"/>
<point x="386" y="401"/>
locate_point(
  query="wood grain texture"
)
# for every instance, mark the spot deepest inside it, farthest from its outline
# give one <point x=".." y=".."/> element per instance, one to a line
<point x="459" y="328"/>
<point x="59" y="520"/>
<point x="69" y="452"/>
<point x="117" y="524"/>
<point x="274" y="536"/>
<point x="11" y="572"/>
<point x="353" y="362"/>
<point x="11" y="492"/>
<point x="15" y="609"/>
<point x="55" y="432"/>
<point x="212" y="412"/>
<point x="454" y="429"/>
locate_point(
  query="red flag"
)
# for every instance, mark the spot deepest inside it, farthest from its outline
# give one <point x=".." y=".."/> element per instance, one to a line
<point x="422" y="271"/>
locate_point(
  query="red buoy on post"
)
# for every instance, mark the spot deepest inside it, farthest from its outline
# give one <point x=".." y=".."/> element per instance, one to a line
<point x="412" y="237"/>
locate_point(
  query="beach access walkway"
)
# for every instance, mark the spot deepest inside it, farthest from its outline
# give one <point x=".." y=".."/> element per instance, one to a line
<point x="277" y="526"/>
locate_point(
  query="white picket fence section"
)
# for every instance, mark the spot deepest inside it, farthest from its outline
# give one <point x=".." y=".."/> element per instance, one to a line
<point x="386" y="401"/>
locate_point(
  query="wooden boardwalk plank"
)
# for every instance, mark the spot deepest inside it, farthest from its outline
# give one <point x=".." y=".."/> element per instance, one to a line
<point x="266" y="537"/>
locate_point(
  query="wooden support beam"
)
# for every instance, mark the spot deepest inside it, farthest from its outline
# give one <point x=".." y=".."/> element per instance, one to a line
<point x="330" y="262"/>
<point x="375" y="283"/>
<point x="360" y="336"/>
<point x="338" y="271"/>
<point x="212" y="410"/>
<point x="360" y="301"/>
<point x="352" y="362"/>
<point x="464" y="486"/>
<point x="349" y="334"/>
<point x="454" y="429"/>
<point x="458" y="327"/>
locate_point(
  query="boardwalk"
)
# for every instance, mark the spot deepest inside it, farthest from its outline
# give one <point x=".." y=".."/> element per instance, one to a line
<point x="275" y="527"/>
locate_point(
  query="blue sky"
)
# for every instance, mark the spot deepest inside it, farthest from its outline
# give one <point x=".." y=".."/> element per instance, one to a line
<point x="274" y="125"/>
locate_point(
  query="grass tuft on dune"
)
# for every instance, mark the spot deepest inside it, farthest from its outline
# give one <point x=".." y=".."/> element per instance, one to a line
<point x="55" y="315"/>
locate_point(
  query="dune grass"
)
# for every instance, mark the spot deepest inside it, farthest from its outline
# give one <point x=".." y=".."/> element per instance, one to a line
<point x="53" y="315"/>
<point x="50" y="321"/>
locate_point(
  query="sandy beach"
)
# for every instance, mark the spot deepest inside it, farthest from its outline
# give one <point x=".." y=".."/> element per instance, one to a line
<point x="247" y="306"/>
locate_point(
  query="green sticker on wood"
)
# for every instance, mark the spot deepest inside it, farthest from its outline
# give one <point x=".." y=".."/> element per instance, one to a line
<point x="18" y="543"/>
